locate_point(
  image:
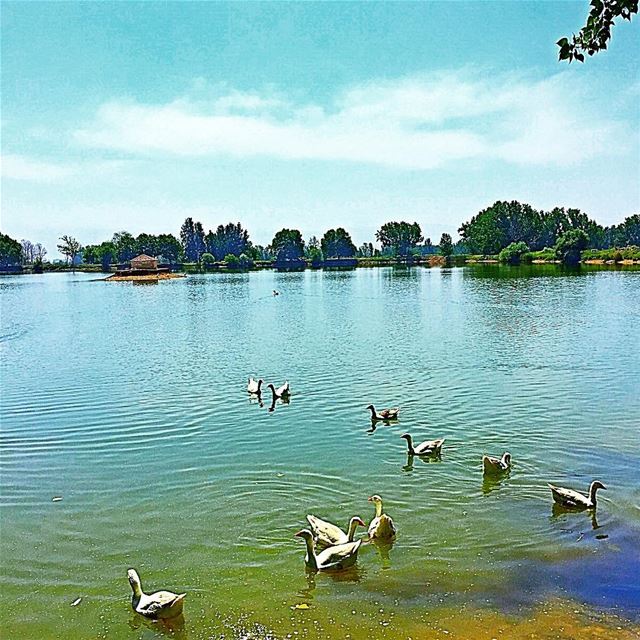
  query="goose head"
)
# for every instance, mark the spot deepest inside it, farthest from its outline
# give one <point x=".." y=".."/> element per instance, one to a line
<point x="407" y="437"/>
<point x="506" y="457"/>
<point x="305" y="534"/>
<point x="375" y="499"/>
<point x="270" y="386"/>
<point x="134" y="581"/>
<point x="371" y="407"/>
<point x="595" y="485"/>
<point x="357" y="521"/>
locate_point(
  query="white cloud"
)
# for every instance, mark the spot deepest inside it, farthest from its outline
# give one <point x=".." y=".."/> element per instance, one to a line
<point x="18" y="167"/>
<point x="413" y="123"/>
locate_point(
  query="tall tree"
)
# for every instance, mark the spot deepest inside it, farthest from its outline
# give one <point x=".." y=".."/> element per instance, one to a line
<point x="287" y="244"/>
<point x="192" y="239"/>
<point x="596" y="33"/>
<point x="125" y="244"/>
<point x="400" y="237"/>
<point x="229" y="239"/>
<point x="70" y="248"/>
<point x="10" y="252"/>
<point x="446" y="245"/>
<point x="337" y="243"/>
<point x="28" y="252"/>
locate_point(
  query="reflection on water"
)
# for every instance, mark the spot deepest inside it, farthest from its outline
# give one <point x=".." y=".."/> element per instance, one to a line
<point x="425" y="459"/>
<point x="130" y="402"/>
<point x="564" y="515"/>
<point x="153" y="629"/>
<point x="383" y="548"/>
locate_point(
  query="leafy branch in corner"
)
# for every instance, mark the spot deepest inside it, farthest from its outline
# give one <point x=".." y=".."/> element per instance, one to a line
<point x="595" y="35"/>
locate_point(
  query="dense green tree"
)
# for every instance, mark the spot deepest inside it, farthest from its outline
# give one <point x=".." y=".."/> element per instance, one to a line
<point x="125" y="245"/>
<point x="192" y="239"/>
<point x="399" y="237"/>
<point x="596" y="33"/>
<point x="10" y="252"/>
<point x="570" y="244"/>
<point x="227" y="239"/>
<point x="337" y="243"/>
<point x="446" y="245"/>
<point x="168" y="248"/>
<point x="504" y="223"/>
<point x="287" y="244"/>
<point x="625" y="234"/>
<point x="70" y="248"/>
<point x="366" y="250"/>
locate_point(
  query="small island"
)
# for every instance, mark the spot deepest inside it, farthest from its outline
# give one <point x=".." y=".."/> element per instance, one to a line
<point x="143" y="268"/>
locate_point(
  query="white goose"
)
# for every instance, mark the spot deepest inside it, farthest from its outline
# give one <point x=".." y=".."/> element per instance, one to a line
<point x="383" y="414"/>
<point x="338" y="557"/>
<point x="381" y="526"/>
<point x="254" y="386"/>
<point x="493" y="466"/>
<point x="328" y="534"/>
<point x="575" y="499"/>
<point x="426" y="448"/>
<point x="161" y="604"/>
<point x="280" y="392"/>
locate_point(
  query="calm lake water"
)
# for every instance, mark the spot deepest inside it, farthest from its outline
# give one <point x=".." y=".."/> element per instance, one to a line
<point x="129" y="402"/>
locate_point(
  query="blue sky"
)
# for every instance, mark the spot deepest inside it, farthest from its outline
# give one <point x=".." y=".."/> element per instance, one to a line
<point x="135" y="115"/>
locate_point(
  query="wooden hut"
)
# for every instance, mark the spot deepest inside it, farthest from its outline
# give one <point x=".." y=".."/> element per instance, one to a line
<point x="144" y="262"/>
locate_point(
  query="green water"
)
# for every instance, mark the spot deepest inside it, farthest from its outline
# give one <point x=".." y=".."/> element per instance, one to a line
<point x="129" y="402"/>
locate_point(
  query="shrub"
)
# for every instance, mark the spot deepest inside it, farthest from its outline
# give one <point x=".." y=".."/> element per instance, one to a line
<point x="232" y="261"/>
<point x="207" y="260"/>
<point x="512" y="253"/>
<point x="570" y="244"/>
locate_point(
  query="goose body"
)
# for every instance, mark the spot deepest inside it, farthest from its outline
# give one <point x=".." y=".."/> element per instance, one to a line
<point x="328" y="534"/>
<point x="383" y="414"/>
<point x="492" y="466"/>
<point x="334" y="558"/>
<point x="382" y="526"/>
<point x="426" y="448"/>
<point x="161" y="604"/>
<point x="575" y="499"/>
<point x="280" y="392"/>
<point x="254" y="386"/>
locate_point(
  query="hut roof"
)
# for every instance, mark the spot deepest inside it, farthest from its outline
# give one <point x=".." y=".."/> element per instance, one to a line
<point x="143" y="257"/>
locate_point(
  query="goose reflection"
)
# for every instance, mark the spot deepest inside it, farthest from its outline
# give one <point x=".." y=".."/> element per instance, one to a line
<point x="383" y="547"/>
<point x="256" y="398"/>
<point x="276" y="401"/>
<point x="436" y="457"/>
<point x="558" y="511"/>
<point x="172" y="627"/>
<point x="491" y="483"/>
<point x="352" y="574"/>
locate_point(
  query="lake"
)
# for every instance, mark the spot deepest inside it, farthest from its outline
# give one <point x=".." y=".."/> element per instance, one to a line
<point x="129" y="402"/>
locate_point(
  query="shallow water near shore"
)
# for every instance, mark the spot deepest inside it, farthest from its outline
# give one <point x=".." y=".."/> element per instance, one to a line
<point x="129" y="402"/>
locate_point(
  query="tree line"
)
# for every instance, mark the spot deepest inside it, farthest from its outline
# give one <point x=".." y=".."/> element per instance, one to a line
<point x="509" y="229"/>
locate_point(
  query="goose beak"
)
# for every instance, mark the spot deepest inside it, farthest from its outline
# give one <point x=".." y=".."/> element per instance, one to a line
<point x="370" y="499"/>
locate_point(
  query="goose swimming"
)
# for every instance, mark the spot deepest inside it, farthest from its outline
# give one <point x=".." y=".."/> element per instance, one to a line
<point x="575" y="499"/>
<point x="426" y="448"/>
<point x="161" y="604"/>
<point x="382" y="525"/>
<point x="383" y="414"/>
<point x="328" y="534"/>
<point x="254" y="386"/>
<point x="492" y="466"/>
<point x="280" y="392"/>
<point x="340" y="556"/>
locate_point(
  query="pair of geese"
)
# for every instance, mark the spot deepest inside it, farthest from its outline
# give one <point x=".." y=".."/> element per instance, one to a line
<point x="340" y="551"/>
<point x="254" y="387"/>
